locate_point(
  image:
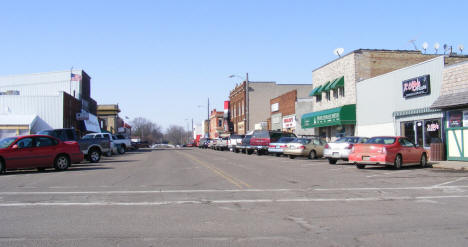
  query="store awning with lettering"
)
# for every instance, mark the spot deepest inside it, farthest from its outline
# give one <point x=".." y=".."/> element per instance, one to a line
<point x="336" y="116"/>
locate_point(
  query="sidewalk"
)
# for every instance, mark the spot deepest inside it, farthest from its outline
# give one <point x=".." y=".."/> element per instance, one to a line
<point x="453" y="165"/>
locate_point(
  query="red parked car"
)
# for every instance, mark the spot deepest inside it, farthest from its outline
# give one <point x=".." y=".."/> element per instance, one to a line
<point x="38" y="151"/>
<point x="393" y="151"/>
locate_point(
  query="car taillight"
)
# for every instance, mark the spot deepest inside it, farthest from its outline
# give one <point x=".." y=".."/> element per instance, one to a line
<point x="301" y="147"/>
<point x="350" y="146"/>
<point x="71" y="142"/>
<point x="284" y="146"/>
<point x="352" y="149"/>
<point x="327" y="146"/>
<point x="272" y="146"/>
<point x="382" y="151"/>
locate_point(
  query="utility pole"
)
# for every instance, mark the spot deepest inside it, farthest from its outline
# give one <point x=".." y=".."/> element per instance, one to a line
<point x="208" y="108"/>
<point x="247" y="102"/>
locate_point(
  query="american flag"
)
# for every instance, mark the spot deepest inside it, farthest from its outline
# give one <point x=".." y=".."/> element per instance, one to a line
<point x="75" y="77"/>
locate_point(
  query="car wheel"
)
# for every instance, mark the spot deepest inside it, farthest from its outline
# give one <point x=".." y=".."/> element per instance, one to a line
<point x="360" y="166"/>
<point x="398" y="162"/>
<point x="249" y="152"/>
<point x="332" y="161"/>
<point x="259" y="152"/>
<point x="61" y="163"/>
<point x="121" y="149"/>
<point x="2" y="167"/>
<point x="236" y="150"/>
<point x="312" y="155"/>
<point x="423" y="162"/>
<point x="278" y="155"/>
<point x="292" y="156"/>
<point x="94" y="156"/>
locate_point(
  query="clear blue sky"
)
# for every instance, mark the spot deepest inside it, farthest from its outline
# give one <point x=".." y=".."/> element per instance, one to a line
<point x="161" y="59"/>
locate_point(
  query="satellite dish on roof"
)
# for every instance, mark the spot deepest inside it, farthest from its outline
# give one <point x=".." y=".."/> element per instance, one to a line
<point x="338" y="51"/>
<point x="424" y="46"/>
<point x="461" y="47"/>
<point x="436" y="46"/>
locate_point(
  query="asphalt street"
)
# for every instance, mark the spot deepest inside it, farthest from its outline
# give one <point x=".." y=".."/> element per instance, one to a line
<point x="193" y="197"/>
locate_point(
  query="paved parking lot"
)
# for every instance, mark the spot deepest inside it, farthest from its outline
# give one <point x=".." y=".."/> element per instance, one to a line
<point x="187" y="197"/>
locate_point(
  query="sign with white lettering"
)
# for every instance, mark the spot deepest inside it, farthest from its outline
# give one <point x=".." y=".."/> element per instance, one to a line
<point x="416" y="86"/>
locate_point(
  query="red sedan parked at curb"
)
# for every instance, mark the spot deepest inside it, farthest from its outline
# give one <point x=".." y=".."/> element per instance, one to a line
<point x="393" y="151"/>
<point x="38" y="151"/>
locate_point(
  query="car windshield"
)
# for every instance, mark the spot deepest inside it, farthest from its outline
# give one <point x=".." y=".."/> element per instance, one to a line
<point x="286" y="139"/>
<point x="4" y="143"/>
<point x="348" y="140"/>
<point x="261" y="134"/>
<point x="381" y="140"/>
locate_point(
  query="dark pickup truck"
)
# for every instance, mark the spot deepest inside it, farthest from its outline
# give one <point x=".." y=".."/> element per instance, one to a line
<point x="92" y="148"/>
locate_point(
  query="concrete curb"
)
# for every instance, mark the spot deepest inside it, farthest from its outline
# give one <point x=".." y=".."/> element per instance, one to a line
<point x="457" y="166"/>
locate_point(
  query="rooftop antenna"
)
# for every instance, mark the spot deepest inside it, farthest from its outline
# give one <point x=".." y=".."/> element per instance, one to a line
<point x="425" y="45"/>
<point x="338" y="51"/>
<point x="461" y="47"/>
<point x="447" y="48"/>
<point x="414" y="43"/>
<point x="436" y="46"/>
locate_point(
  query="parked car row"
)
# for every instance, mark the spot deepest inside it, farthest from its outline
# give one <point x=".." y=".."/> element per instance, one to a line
<point x="392" y="151"/>
<point x="58" y="148"/>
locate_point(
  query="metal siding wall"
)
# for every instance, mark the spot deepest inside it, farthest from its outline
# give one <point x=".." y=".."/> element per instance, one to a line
<point x="379" y="97"/>
<point x="49" y="108"/>
<point x="49" y="83"/>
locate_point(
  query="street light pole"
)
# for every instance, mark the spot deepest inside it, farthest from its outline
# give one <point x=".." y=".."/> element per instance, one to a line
<point x="247" y="101"/>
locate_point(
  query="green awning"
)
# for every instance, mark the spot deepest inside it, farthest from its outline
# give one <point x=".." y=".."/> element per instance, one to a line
<point x="318" y="91"/>
<point x="335" y="116"/>
<point x="312" y="93"/>
<point x="328" y="85"/>
<point x="338" y="82"/>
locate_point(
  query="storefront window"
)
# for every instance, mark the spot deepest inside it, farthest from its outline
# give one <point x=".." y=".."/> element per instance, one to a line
<point x="340" y="131"/>
<point x="422" y="132"/>
<point x="432" y="132"/>
<point x="318" y="98"/>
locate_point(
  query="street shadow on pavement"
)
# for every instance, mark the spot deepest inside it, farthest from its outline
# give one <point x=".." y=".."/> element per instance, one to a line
<point x="115" y="161"/>
<point x="51" y="170"/>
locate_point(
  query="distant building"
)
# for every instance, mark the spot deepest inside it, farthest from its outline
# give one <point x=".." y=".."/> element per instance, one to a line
<point x="109" y="114"/>
<point x="252" y="106"/>
<point x="216" y="124"/>
<point x="283" y="112"/>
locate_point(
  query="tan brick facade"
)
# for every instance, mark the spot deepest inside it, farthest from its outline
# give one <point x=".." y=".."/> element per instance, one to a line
<point x="455" y="79"/>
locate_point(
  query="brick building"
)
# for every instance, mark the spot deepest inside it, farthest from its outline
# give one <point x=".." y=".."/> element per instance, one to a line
<point x="251" y="107"/>
<point x="334" y="90"/>
<point x="216" y="124"/>
<point x="283" y="112"/>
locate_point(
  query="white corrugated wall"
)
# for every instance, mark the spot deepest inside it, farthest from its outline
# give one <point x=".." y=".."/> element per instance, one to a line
<point x="48" y="108"/>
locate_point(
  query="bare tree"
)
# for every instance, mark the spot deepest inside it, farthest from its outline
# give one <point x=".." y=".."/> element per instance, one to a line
<point x="176" y="135"/>
<point x="147" y="130"/>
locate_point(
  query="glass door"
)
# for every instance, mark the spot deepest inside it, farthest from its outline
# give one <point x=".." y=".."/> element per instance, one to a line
<point x="419" y="133"/>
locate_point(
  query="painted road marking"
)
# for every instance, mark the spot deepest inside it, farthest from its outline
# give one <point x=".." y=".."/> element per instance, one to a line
<point x="285" y="200"/>
<point x="449" y="182"/>
<point x="225" y="191"/>
<point x="233" y="180"/>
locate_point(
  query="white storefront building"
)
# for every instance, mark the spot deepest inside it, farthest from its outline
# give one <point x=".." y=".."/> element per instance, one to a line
<point x="48" y="100"/>
<point x="398" y="103"/>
